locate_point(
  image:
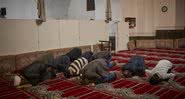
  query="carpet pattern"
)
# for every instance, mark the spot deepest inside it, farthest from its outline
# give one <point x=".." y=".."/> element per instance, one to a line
<point x="8" y="91"/>
<point x="59" y="88"/>
<point x="152" y="56"/>
<point x="69" y="88"/>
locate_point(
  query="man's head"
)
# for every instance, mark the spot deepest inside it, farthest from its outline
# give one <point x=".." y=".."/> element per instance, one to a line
<point x="50" y="73"/>
<point x="74" y="54"/>
<point x="88" y="55"/>
<point x="103" y="54"/>
<point x="67" y="73"/>
<point x="155" y="79"/>
<point x="126" y="70"/>
<point x="134" y="68"/>
<point x="108" y="57"/>
<point x="119" y="74"/>
<point x="60" y="75"/>
<point x="127" y="73"/>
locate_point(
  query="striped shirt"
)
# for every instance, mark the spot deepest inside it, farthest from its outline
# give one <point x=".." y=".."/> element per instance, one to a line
<point x="75" y="67"/>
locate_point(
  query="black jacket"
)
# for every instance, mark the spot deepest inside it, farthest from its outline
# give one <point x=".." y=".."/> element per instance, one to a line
<point x="136" y="66"/>
<point x="38" y="70"/>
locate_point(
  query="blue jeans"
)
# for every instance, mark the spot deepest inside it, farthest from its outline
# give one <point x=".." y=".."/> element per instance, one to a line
<point x="109" y="65"/>
<point x="109" y="77"/>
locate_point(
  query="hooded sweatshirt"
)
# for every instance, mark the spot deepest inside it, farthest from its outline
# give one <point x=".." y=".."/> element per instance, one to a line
<point x="162" y="69"/>
<point x="136" y="66"/>
<point x="97" y="71"/>
<point x="74" y="54"/>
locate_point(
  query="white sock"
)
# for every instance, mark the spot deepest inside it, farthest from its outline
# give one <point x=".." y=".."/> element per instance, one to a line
<point x="17" y="80"/>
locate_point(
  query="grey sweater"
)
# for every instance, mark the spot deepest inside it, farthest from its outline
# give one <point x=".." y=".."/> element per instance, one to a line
<point x="95" y="70"/>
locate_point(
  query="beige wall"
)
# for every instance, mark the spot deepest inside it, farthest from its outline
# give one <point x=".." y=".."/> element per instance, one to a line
<point x="20" y="36"/>
<point x="122" y="37"/>
<point x="149" y="16"/>
<point x="92" y="32"/>
<point x="48" y="34"/>
<point x="164" y="20"/>
<point x="142" y="10"/>
<point x="144" y="18"/>
<point x="180" y="13"/>
<point x="69" y="33"/>
<point x="129" y="8"/>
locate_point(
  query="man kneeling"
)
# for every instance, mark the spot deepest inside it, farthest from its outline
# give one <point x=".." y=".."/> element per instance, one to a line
<point x="97" y="72"/>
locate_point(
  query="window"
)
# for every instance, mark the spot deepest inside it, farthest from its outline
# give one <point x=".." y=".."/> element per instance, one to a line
<point x="90" y="5"/>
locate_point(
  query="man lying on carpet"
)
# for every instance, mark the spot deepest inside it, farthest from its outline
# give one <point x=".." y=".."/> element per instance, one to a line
<point x="97" y="72"/>
<point x="78" y="65"/>
<point x="38" y="71"/>
<point x="63" y="61"/>
<point x="135" y="67"/>
<point x="75" y="67"/>
<point x="105" y="55"/>
<point x="45" y="68"/>
<point x="70" y="61"/>
<point x="163" y="72"/>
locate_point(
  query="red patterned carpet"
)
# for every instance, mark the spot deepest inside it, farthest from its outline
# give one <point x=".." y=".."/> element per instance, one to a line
<point x="8" y="91"/>
<point x="152" y="56"/>
<point x="69" y="88"/>
<point x="82" y="92"/>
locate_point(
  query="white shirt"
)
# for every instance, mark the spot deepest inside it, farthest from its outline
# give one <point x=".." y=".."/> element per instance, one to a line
<point x="162" y="68"/>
